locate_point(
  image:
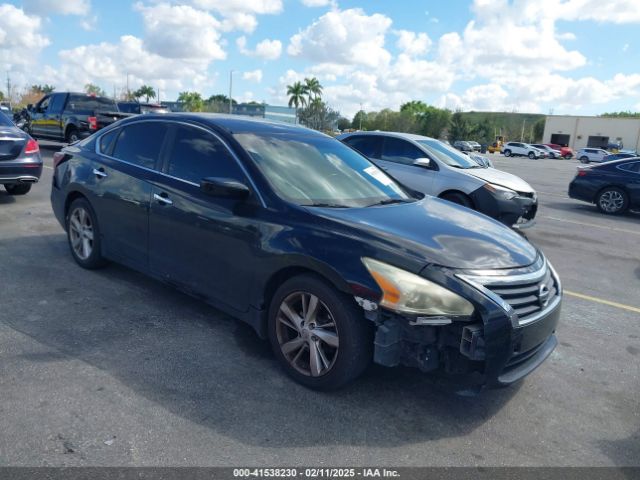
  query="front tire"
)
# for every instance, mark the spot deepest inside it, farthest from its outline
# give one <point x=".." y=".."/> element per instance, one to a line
<point x="612" y="201"/>
<point x="83" y="235"/>
<point x="507" y="153"/>
<point x="318" y="334"/>
<point x="458" y="198"/>
<point x="532" y="155"/>
<point x="18" y="189"/>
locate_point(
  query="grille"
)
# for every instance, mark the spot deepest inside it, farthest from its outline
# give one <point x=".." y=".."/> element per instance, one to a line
<point x="528" y="294"/>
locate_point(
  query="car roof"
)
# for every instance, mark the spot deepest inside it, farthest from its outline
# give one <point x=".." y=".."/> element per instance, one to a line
<point x="231" y="123"/>
<point x="406" y="136"/>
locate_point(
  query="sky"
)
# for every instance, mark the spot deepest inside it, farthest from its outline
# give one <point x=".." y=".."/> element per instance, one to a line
<point x="579" y="57"/>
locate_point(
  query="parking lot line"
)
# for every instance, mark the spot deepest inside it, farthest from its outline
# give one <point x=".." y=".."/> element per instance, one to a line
<point x="592" y="225"/>
<point x="552" y="194"/>
<point x="47" y="166"/>
<point x="602" y="301"/>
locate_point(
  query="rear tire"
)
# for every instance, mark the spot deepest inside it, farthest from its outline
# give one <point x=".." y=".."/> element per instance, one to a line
<point x="612" y="201"/>
<point x="18" y="189"/>
<point x="507" y="153"/>
<point x="83" y="235"/>
<point x="532" y="155"/>
<point x="458" y="198"/>
<point x="324" y="346"/>
<point x="584" y="159"/>
<point x="72" y="135"/>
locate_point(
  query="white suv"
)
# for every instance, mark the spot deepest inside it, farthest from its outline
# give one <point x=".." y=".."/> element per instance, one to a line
<point x="514" y="149"/>
<point x="586" y="155"/>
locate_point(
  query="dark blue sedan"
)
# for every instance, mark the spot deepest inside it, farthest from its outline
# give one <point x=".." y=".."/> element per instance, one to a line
<point x="613" y="186"/>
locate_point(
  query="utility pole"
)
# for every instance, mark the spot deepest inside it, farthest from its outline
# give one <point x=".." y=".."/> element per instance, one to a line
<point x="128" y="91"/>
<point x="230" y="91"/>
<point x="9" y="88"/>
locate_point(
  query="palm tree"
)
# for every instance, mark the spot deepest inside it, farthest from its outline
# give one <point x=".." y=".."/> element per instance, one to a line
<point x="314" y="88"/>
<point x="297" y="98"/>
<point x="191" y="101"/>
<point x="145" y="91"/>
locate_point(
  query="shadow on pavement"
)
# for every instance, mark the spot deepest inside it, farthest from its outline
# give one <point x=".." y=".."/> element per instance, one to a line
<point x="200" y="364"/>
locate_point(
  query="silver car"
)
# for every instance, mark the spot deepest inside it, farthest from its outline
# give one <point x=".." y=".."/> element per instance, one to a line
<point x="429" y="166"/>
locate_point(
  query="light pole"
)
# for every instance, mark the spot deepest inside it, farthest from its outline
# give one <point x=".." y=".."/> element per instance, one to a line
<point x="361" y="115"/>
<point x="231" y="91"/>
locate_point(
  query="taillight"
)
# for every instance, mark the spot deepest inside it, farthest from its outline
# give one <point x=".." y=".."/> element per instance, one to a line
<point x="32" y="147"/>
<point x="582" y="173"/>
<point x="93" y="123"/>
<point x="57" y="158"/>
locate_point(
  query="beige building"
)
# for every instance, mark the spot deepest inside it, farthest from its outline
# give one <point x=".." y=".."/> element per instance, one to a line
<point x="595" y="132"/>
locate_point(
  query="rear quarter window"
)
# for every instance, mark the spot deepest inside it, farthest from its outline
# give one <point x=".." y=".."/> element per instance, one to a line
<point x="88" y="103"/>
<point x="140" y="144"/>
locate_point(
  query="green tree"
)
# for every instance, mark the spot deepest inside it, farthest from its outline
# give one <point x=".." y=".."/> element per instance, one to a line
<point x="433" y="121"/>
<point x="43" y="89"/>
<point x="319" y="116"/>
<point x="627" y="114"/>
<point x="460" y="128"/>
<point x="146" y="91"/>
<point x="1" y="96"/>
<point x="415" y="107"/>
<point x="538" y="129"/>
<point x="297" y="96"/>
<point x="344" y="123"/>
<point x="94" y="90"/>
<point x="313" y="88"/>
<point x="191" y="101"/>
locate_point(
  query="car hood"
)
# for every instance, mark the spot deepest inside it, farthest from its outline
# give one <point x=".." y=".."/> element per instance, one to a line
<point x="434" y="231"/>
<point x="498" y="177"/>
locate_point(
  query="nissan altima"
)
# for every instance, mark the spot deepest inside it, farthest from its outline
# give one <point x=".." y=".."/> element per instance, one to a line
<point x="310" y="243"/>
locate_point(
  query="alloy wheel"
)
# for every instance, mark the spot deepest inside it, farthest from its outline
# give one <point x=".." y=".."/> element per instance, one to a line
<point x="81" y="233"/>
<point x="307" y="334"/>
<point x="611" y="201"/>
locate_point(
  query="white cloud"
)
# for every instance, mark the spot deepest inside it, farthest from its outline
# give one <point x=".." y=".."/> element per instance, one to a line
<point x="319" y="3"/>
<point x="181" y="32"/>
<point x="266" y="49"/>
<point x="348" y="37"/>
<point x="412" y="43"/>
<point x="20" y="38"/>
<point x="253" y="76"/>
<point x="61" y="7"/>
<point x="258" y="7"/>
<point x="89" y="23"/>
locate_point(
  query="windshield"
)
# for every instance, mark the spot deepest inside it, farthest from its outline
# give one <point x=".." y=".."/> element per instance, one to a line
<point x="448" y="155"/>
<point x="319" y="171"/>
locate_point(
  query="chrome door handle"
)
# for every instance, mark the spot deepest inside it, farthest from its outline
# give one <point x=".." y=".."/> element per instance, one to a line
<point x="99" y="173"/>
<point x="161" y="199"/>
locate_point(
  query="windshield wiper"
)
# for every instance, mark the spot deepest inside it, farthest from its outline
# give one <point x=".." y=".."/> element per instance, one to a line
<point x="325" y="205"/>
<point x="388" y="201"/>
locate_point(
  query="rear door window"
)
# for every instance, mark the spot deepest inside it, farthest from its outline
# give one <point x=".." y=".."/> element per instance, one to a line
<point x="140" y="144"/>
<point x="196" y="154"/>
<point x="400" y="151"/>
<point x="369" y="145"/>
<point x="57" y="103"/>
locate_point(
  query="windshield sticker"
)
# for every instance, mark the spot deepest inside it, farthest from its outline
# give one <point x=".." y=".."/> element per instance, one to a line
<point x="378" y="175"/>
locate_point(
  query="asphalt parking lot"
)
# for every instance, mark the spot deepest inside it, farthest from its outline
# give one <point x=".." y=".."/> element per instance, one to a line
<point x="111" y="368"/>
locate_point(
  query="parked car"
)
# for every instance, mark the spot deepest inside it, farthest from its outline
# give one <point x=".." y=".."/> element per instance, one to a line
<point x="519" y="149"/>
<point x="427" y="165"/>
<point x="475" y="145"/>
<point x="69" y="117"/>
<point x="141" y="108"/>
<point x="613" y="186"/>
<point x="586" y="155"/>
<point x="463" y="146"/>
<point x="565" y="151"/>
<point x="550" y="152"/>
<point x="20" y="160"/>
<point x="5" y="109"/>
<point x="310" y="243"/>
<point x="619" y="156"/>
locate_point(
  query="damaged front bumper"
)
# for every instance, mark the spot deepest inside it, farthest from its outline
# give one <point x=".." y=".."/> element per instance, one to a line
<point x="497" y="346"/>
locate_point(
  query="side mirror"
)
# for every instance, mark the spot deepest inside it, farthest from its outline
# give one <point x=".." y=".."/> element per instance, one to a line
<point x="422" y="162"/>
<point x="224" y="188"/>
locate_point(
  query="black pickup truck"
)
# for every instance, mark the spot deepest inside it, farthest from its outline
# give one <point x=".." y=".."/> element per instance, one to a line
<point x="69" y="116"/>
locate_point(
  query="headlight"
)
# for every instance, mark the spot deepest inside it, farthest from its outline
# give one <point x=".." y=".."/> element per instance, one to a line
<point x="501" y="192"/>
<point x="408" y="293"/>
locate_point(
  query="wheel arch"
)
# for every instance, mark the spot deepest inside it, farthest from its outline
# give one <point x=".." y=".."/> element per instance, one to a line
<point x="460" y="192"/>
<point x="71" y="197"/>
